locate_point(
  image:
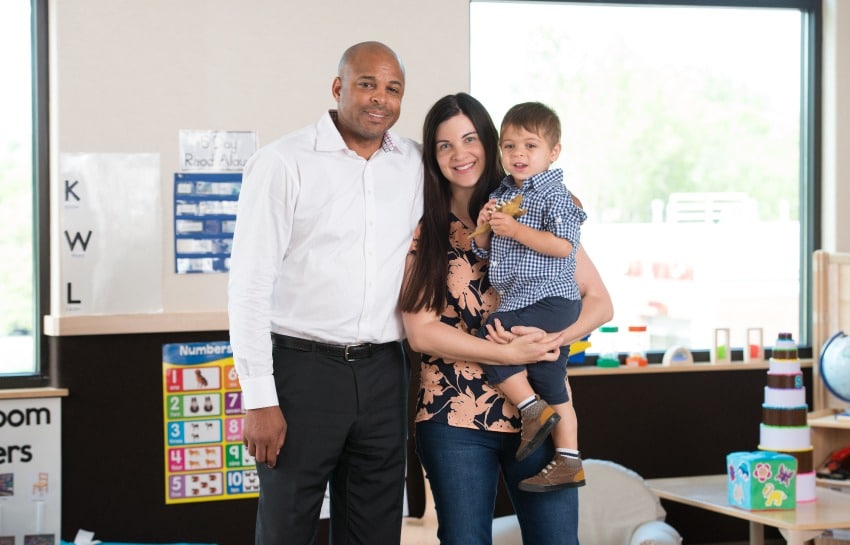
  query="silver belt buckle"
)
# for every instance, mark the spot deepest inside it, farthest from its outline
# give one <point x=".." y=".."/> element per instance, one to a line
<point x="345" y="353"/>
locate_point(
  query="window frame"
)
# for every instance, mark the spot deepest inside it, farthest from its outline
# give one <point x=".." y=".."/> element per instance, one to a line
<point x="44" y="374"/>
<point x="810" y="137"/>
<point x="810" y="175"/>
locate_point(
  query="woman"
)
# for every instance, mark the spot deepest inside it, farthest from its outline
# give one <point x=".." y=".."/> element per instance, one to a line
<point x="465" y="430"/>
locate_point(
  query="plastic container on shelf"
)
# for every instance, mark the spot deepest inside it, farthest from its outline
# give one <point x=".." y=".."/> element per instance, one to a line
<point x="606" y="340"/>
<point x="637" y="346"/>
<point x="578" y="351"/>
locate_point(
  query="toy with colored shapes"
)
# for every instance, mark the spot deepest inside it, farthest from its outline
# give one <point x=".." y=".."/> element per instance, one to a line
<point x="511" y="207"/>
<point x="761" y="480"/>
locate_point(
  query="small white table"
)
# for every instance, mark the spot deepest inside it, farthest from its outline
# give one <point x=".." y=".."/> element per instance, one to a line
<point x="807" y="521"/>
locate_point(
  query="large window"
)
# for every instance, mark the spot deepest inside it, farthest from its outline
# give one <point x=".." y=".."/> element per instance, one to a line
<point x="682" y="136"/>
<point x="20" y="195"/>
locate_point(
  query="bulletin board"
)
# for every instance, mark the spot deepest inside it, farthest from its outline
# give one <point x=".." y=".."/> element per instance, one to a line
<point x="204" y="218"/>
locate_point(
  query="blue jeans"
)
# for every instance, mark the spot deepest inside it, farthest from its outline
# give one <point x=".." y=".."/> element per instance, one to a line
<point x="462" y="466"/>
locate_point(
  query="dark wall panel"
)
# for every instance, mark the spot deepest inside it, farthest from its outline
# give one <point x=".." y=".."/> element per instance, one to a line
<point x="660" y="425"/>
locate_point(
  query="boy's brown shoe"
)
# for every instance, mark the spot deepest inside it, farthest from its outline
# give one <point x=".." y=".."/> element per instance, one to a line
<point x="561" y="472"/>
<point x="538" y="419"/>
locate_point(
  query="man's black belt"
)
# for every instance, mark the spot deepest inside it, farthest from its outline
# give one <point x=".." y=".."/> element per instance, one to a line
<point x="348" y="352"/>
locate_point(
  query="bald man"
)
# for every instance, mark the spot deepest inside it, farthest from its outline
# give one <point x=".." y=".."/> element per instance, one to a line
<point x="326" y="215"/>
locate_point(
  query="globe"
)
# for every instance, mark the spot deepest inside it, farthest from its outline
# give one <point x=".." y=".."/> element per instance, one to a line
<point x="835" y="366"/>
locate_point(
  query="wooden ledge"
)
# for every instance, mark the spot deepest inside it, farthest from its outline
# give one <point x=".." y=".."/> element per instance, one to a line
<point x="585" y="370"/>
<point x="164" y="322"/>
<point x="31" y="393"/>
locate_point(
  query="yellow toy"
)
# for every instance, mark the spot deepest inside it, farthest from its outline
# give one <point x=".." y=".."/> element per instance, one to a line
<point x="578" y="347"/>
<point x="511" y="207"/>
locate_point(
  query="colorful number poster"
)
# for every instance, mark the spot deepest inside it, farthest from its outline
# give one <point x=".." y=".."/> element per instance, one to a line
<point x="205" y="459"/>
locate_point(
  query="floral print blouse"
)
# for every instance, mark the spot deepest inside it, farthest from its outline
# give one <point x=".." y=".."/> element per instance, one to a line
<point x="456" y="392"/>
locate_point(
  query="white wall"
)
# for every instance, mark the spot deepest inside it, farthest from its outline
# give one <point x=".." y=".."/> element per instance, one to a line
<point x="127" y="75"/>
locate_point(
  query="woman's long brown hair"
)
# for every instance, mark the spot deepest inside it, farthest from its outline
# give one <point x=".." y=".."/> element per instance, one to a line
<point x="426" y="284"/>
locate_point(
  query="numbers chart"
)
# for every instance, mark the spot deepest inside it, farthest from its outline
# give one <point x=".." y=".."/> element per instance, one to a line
<point x="205" y="459"/>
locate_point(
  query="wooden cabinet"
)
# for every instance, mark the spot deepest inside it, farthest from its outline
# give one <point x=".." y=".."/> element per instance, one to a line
<point x="830" y="314"/>
<point x="828" y="434"/>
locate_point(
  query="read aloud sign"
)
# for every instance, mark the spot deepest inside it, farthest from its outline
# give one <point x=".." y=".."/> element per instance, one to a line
<point x="216" y="151"/>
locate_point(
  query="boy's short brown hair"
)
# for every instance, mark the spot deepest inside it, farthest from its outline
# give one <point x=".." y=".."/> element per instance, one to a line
<point x="534" y="117"/>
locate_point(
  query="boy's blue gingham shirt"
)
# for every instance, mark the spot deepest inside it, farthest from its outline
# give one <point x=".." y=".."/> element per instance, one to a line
<point x="521" y="275"/>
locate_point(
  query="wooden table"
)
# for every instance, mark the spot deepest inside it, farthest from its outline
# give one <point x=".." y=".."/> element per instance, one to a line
<point x="807" y="521"/>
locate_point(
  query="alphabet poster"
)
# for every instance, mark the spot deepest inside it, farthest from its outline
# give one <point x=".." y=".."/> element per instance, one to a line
<point x="110" y="234"/>
<point x="205" y="459"/>
<point x="30" y="471"/>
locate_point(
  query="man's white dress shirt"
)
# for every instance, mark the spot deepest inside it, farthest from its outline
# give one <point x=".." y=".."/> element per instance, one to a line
<point x="319" y="247"/>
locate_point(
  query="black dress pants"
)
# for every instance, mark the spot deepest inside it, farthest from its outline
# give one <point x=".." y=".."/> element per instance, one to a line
<point x="346" y="425"/>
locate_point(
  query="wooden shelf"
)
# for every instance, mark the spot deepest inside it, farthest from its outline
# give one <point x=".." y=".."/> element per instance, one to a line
<point x="585" y="370"/>
<point x="828" y="418"/>
<point x="841" y="486"/>
<point x="163" y="322"/>
<point x="31" y="393"/>
<point x="829" y="433"/>
<point x="830" y="313"/>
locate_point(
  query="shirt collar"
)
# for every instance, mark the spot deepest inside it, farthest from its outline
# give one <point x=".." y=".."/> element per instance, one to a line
<point x="542" y="179"/>
<point x="328" y="137"/>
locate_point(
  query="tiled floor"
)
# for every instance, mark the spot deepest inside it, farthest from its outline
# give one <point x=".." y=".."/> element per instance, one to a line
<point x="421" y="531"/>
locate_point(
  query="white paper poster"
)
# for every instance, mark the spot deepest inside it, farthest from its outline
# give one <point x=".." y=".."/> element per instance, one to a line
<point x="30" y="471"/>
<point x="110" y="234"/>
<point x="216" y="151"/>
